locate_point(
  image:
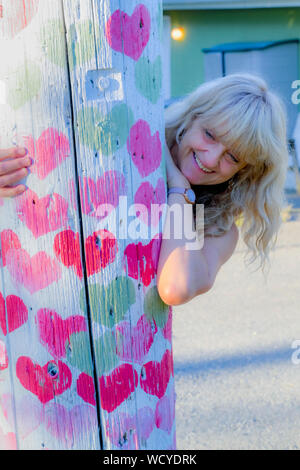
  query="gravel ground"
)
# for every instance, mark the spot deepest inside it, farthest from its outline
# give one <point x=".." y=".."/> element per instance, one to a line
<point x="237" y="384"/>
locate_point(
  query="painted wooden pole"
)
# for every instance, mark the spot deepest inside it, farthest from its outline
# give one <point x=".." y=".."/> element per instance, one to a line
<point x="85" y="341"/>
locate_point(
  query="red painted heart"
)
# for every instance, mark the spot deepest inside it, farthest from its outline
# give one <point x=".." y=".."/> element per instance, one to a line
<point x="9" y="240"/>
<point x="140" y="261"/>
<point x="155" y="375"/>
<point x="100" y="250"/>
<point x="86" y="388"/>
<point x="134" y="342"/>
<point x="145" y="149"/>
<point x="40" y="381"/>
<point x="54" y="332"/>
<point x="16" y="311"/>
<point x="48" y="151"/>
<point x="129" y="34"/>
<point x="67" y="250"/>
<point x="117" y="386"/>
<point x="42" y="215"/>
<point x="17" y="15"/>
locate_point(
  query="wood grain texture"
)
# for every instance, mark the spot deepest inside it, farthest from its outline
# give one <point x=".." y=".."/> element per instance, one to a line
<point x="86" y="349"/>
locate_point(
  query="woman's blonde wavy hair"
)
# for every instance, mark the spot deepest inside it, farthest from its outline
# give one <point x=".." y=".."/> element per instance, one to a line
<point x="249" y="120"/>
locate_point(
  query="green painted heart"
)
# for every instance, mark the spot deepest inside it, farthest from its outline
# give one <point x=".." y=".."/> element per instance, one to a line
<point x="52" y="37"/>
<point x="106" y="133"/>
<point x="148" y="78"/>
<point x="81" y="46"/>
<point x="78" y="352"/>
<point x="154" y="308"/>
<point x="110" y="304"/>
<point x="23" y="84"/>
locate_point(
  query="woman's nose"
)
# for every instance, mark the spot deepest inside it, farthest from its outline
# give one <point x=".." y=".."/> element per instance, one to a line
<point x="213" y="155"/>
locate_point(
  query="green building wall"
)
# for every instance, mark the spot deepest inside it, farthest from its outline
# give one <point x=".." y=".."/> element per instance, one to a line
<point x="207" y="28"/>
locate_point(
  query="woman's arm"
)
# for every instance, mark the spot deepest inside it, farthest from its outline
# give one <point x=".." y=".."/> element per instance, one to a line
<point x="184" y="273"/>
<point x="13" y="168"/>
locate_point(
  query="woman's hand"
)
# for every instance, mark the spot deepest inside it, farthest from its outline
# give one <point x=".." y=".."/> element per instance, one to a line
<point x="174" y="175"/>
<point x="13" y="168"/>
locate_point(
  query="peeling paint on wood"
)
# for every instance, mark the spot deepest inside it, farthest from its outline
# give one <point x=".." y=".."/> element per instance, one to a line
<point x="85" y="341"/>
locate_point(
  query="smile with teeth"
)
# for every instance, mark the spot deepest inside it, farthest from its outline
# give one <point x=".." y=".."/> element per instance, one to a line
<point x="200" y="164"/>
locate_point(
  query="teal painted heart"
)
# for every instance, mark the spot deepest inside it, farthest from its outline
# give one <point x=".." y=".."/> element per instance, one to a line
<point x="154" y="308"/>
<point x="81" y="46"/>
<point x="81" y="43"/>
<point x="110" y="304"/>
<point x="78" y="352"/>
<point x="106" y="133"/>
<point x="23" y="84"/>
<point x="148" y="78"/>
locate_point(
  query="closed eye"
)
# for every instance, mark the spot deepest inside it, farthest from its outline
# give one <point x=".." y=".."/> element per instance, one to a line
<point x="235" y="160"/>
<point x="208" y="134"/>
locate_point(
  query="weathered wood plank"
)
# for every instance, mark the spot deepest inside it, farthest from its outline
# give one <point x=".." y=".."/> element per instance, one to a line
<point x="113" y="113"/>
<point x="41" y="286"/>
<point x="118" y="112"/>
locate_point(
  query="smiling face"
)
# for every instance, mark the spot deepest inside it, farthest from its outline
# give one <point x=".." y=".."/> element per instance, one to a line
<point x="203" y="159"/>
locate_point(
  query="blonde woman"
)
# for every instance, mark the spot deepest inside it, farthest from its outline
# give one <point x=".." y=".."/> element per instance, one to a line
<point x="225" y="148"/>
<point x="227" y="143"/>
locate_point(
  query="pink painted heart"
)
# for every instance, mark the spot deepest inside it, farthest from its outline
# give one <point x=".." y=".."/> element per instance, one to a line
<point x="54" y="332"/>
<point x="48" y="151"/>
<point x="126" y="431"/>
<point x="145" y="149"/>
<point x="140" y="261"/>
<point x="100" y="197"/>
<point x="155" y="375"/>
<point x="148" y="199"/>
<point x="40" y="381"/>
<point x="70" y="427"/>
<point x="29" y="411"/>
<point x="42" y="215"/>
<point x="86" y="388"/>
<point x="67" y="250"/>
<point x="3" y="356"/>
<point x="14" y="314"/>
<point x="167" y="329"/>
<point x="9" y="240"/>
<point x="117" y="387"/>
<point x="34" y="273"/>
<point x="17" y="15"/>
<point x="129" y="34"/>
<point x="8" y="441"/>
<point x="134" y="342"/>
<point x="165" y="413"/>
